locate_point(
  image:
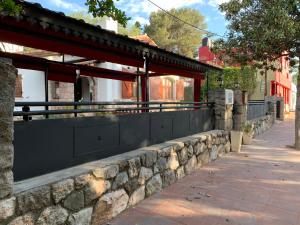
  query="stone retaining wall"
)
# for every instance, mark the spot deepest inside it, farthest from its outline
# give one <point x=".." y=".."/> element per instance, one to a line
<point x="117" y="183"/>
<point x="262" y="124"/>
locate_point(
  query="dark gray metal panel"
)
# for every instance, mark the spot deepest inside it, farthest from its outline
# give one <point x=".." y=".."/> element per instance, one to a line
<point x="161" y="127"/>
<point x="41" y="146"/>
<point x="44" y="146"/>
<point x="135" y="130"/>
<point x="181" y="125"/>
<point x="96" y="138"/>
<point x="256" y="110"/>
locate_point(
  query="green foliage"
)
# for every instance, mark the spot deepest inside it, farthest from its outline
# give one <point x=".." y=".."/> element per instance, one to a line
<point x="88" y="18"/>
<point x="131" y="30"/>
<point x="261" y="30"/>
<point x="233" y="78"/>
<point x="248" y="128"/>
<point x="100" y="8"/>
<point x="10" y="7"/>
<point x="174" y="35"/>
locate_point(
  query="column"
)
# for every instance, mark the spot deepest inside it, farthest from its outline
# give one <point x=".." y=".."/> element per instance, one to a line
<point x="8" y="75"/>
<point x="223" y="111"/>
<point x="240" y="110"/>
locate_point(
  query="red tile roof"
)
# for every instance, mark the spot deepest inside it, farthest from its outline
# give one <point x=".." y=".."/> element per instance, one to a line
<point x="145" y="39"/>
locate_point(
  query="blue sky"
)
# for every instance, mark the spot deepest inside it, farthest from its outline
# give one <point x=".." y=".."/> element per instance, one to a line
<point x="140" y="10"/>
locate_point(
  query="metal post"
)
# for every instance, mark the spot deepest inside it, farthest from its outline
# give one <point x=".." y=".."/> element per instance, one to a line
<point x="197" y="90"/>
<point x="46" y="90"/>
<point x="207" y="87"/>
<point x="145" y="85"/>
<point x="138" y="82"/>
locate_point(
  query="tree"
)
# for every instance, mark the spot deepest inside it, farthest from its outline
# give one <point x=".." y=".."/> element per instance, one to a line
<point x="262" y="31"/>
<point x="174" y="35"/>
<point x="10" y="7"/>
<point x="131" y="30"/>
<point x="234" y="77"/>
<point x="100" y="8"/>
<point x="88" y="18"/>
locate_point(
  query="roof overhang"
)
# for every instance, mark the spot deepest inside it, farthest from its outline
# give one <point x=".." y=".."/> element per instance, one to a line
<point x="41" y="28"/>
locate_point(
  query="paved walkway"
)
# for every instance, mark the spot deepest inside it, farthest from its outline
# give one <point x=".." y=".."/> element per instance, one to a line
<point x="260" y="186"/>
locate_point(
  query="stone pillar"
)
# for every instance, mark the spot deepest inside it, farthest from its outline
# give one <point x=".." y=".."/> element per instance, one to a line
<point x="239" y="110"/>
<point x="223" y="111"/>
<point x="8" y="75"/>
<point x="271" y="107"/>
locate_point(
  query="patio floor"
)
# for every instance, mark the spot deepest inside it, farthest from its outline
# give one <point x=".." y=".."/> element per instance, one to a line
<point x="260" y="186"/>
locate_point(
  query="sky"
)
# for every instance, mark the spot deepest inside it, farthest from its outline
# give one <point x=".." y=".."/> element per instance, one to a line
<point x="139" y="10"/>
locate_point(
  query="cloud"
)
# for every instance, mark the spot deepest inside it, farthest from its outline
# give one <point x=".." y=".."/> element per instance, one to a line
<point x="67" y="5"/>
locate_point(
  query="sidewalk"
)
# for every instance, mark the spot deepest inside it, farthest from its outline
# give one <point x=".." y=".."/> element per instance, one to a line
<point x="260" y="186"/>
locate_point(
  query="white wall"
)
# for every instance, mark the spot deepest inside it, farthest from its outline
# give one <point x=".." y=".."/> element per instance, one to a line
<point x="107" y="89"/>
<point x="33" y="86"/>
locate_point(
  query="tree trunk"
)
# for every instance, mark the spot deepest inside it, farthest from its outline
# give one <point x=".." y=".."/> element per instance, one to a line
<point x="297" y="121"/>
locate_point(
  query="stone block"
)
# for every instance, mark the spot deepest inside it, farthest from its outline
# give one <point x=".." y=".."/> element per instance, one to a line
<point x="199" y="148"/>
<point x="75" y="201"/>
<point x="173" y="162"/>
<point x="190" y="151"/>
<point x="161" y="164"/>
<point x="213" y="154"/>
<point x="53" y="215"/>
<point x="7" y="132"/>
<point x="154" y="185"/>
<point x="82" y="180"/>
<point x="6" y="183"/>
<point x="183" y="156"/>
<point x="33" y="200"/>
<point x="109" y="206"/>
<point x="7" y="156"/>
<point x="134" y="167"/>
<point x="95" y="189"/>
<point x="82" y="217"/>
<point x="166" y="151"/>
<point x="221" y="150"/>
<point x="191" y="165"/>
<point x="169" y="178"/>
<point x="204" y="158"/>
<point x="145" y="174"/>
<point x="61" y="189"/>
<point x="227" y="147"/>
<point x="27" y="219"/>
<point x="149" y="158"/>
<point x="7" y="208"/>
<point x="180" y="173"/>
<point x="120" y="180"/>
<point x="137" y="196"/>
<point x="131" y="185"/>
<point x="107" y="172"/>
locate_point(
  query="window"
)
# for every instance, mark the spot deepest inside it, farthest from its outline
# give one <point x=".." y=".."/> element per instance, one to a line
<point x="19" y="87"/>
<point x="168" y="89"/>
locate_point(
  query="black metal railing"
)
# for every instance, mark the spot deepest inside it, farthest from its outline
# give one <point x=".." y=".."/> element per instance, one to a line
<point x="29" y="109"/>
<point x="256" y="109"/>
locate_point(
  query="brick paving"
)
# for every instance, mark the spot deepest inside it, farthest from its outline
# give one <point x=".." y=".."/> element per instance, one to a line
<point x="260" y="186"/>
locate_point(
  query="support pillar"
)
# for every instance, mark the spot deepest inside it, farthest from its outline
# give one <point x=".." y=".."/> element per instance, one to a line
<point x="223" y="111"/>
<point x="240" y="110"/>
<point x="8" y="74"/>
